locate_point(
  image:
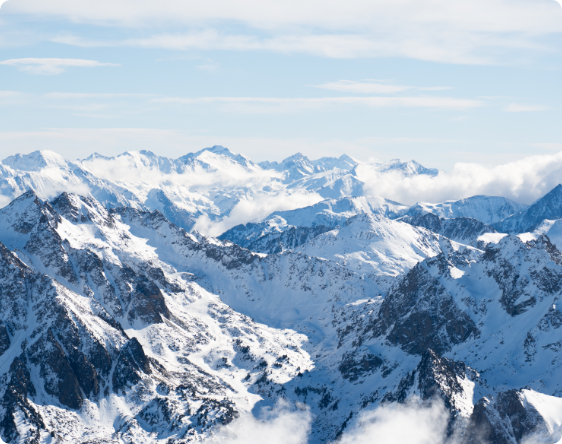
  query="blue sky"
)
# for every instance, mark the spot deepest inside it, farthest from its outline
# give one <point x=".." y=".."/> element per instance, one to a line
<point x="436" y="81"/>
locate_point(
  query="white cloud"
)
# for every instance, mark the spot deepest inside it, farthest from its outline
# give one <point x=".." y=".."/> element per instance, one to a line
<point x="9" y="94"/>
<point x="254" y="209"/>
<point x="478" y="31"/>
<point x="373" y="87"/>
<point x="411" y="423"/>
<point x="51" y="66"/>
<point x="523" y="180"/>
<point x="445" y="46"/>
<point x="209" y="66"/>
<point x="350" y="86"/>
<point x="290" y="105"/>
<point x="81" y="96"/>
<point x="519" y="108"/>
<point x="501" y="15"/>
<point x="279" y="425"/>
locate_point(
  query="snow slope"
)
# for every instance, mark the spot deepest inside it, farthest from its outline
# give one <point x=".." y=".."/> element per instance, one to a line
<point x="50" y="174"/>
<point x="375" y="244"/>
<point x="547" y="207"/>
<point x="486" y="209"/>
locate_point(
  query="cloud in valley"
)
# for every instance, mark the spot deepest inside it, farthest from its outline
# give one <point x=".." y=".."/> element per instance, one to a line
<point x="523" y="180"/>
<point x="280" y="425"/>
<point x="411" y="423"/>
<point x="255" y="208"/>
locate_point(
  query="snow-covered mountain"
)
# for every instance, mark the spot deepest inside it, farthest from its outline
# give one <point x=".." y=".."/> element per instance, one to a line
<point x="49" y="174"/>
<point x="547" y="207"/>
<point x="486" y="209"/>
<point x="409" y="169"/>
<point x="376" y="244"/>
<point x="465" y="230"/>
<point x="118" y="325"/>
<point x="215" y="189"/>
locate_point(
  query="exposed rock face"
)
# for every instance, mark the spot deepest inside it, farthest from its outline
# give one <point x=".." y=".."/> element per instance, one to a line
<point x="464" y="230"/>
<point x="419" y="314"/>
<point x="287" y="240"/>
<point x="131" y="363"/>
<point x="438" y="378"/>
<point x="4" y="337"/>
<point x="18" y="386"/>
<point x="517" y="296"/>
<point x="265" y="238"/>
<point x="506" y="419"/>
<point x="547" y="207"/>
<point x="355" y="364"/>
<point x="60" y="379"/>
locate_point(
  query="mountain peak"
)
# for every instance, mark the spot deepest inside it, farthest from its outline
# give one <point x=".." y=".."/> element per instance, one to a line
<point x="218" y="150"/>
<point x="35" y="161"/>
<point x="547" y="207"/>
<point x="409" y="168"/>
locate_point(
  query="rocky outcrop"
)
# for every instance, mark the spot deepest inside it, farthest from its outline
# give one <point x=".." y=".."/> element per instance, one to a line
<point x="464" y="230"/>
<point x="439" y="378"/>
<point x="4" y="338"/>
<point x="547" y="207"/>
<point x="131" y="364"/>
<point x="356" y="364"/>
<point x="419" y="314"/>
<point x="289" y="239"/>
<point x="505" y="419"/>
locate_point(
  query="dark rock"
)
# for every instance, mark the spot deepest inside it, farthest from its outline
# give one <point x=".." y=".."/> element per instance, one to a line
<point x="15" y="402"/>
<point x="419" y="315"/>
<point x="60" y="379"/>
<point x="465" y="230"/>
<point x="132" y="361"/>
<point x="354" y="365"/>
<point x="149" y="304"/>
<point x="4" y="338"/>
<point x="504" y="420"/>
<point x="547" y="207"/>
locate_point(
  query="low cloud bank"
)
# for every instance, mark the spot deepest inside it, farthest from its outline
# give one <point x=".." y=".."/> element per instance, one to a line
<point x="411" y="423"/>
<point x="524" y="181"/>
<point x="280" y="425"/>
<point x="254" y="209"/>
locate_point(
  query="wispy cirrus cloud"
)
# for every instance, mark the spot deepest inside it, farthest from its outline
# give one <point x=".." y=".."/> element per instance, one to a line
<point x="209" y="65"/>
<point x="461" y="49"/>
<point x="9" y="94"/>
<point x="86" y="96"/>
<point x="523" y="108"/>
<point x="275" y="104"/>
<point x="437" y="30"/>
<point x="373" y="87"/>
<point x="52" y="66"/>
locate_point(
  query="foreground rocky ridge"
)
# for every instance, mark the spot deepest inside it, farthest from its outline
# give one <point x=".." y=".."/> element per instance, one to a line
<point x="118" y="326"/>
